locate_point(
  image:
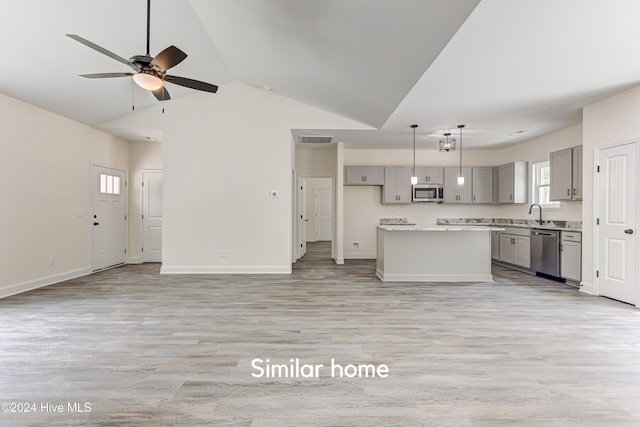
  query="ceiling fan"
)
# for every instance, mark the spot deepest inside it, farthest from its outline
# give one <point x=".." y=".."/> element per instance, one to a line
<point x="150" y="72"/>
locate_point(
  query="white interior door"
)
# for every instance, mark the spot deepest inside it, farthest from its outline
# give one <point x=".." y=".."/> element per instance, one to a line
<point x="324" y="215"/>
<point x="302" y="225"/>
<point x="617" y="229"/>
<point x="108" y="218"/>
<point x="152" y="216"/>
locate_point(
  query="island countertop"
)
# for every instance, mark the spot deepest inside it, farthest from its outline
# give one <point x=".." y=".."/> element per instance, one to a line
<point x="439" y="228"/>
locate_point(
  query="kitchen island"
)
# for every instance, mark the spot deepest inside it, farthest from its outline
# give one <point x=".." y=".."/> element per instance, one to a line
<point x="434" y="254"/>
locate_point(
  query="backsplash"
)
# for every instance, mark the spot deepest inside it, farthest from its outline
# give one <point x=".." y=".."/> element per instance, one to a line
<point x="577" y="225"/>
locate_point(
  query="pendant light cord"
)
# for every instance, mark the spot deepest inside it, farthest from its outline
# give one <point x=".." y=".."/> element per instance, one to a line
<point x="460" y="127"/>
<point x="414" y="149"/>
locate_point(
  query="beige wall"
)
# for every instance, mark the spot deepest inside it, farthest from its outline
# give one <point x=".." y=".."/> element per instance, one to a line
<point x="145" y="155"/>
<point x="223" y="155"/>
<point x="363" y="210"/>
<point x="607" y="122"/>
<point x="45" y="176"/>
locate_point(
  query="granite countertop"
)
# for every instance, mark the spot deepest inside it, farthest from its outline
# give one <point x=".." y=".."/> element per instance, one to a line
<point x="560" y="225"/>
<point x="544" y="227"/>
<point x="440" y="228"/>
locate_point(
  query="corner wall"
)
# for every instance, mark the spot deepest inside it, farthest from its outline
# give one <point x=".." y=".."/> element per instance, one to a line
<point x="45" y="181"/>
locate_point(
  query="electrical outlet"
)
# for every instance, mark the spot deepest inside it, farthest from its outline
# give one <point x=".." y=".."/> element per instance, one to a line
<point x="356" y="245"/>
<point x="52" y="260"/>
<point x="224" y="253"/>
<point x="273" y="194"/>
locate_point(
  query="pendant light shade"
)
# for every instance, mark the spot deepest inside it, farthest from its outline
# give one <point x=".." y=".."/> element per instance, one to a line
<point x="414" y="178"/>
<point x="460" y="176"/>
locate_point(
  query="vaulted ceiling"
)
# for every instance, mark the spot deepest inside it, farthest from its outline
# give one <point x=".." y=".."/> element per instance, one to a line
<point x="498" y="66"/>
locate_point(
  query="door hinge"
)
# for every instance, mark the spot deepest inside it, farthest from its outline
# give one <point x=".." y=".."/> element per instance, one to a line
<point x="142" y="216"/>
<point x="125" y="251"/>
<point x="300" y="244"/>
<point x="143" y="183"/>
<point x="141" y="249"/>
<point x="597" y="221"/>
<point x="597" y="273"/>
<point x="598" y="169"/>
<point x="125" y="217"/>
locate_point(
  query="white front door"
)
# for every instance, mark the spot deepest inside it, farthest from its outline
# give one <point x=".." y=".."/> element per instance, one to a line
<point x="108" y="217"/>
<point x="617" y="229"/>
<point x="302" y="220"/>
<point x="152" y="216"/>
<point x="324" y="215"/>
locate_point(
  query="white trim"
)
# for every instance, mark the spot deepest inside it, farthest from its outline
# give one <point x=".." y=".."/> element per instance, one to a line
<point x="360" y="255"/>
<point x="434" y="277"/>
<point x="587" y="288"/>
<point x="215" y="269"/>
<point x="339" y="261"/>
<point x="43" y="281"/>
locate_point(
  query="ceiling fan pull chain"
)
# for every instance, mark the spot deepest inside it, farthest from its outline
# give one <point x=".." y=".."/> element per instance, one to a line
<point x="133" y="97"/>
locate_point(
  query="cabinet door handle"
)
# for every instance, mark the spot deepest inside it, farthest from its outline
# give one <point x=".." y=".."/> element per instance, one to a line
<point x="568" y="192"/>
<point x="561" y="248"/>
<point x="574" y="191"/>
<point x="474" y="198"/>
<point x="510" y="196"/>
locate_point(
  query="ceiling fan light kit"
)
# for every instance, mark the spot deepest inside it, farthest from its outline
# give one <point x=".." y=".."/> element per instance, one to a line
<point x="150" y="72"/>
<point x="148" y="81"/>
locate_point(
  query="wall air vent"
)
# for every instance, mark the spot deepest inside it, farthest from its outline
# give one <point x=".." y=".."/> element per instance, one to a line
<point x="312" y="139"/>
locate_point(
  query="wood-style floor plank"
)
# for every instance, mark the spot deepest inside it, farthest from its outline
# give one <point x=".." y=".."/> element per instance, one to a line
<point x="145" y="349"/>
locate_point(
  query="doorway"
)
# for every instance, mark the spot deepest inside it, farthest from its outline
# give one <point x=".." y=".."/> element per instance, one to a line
<point x="316" y="216"/>
<point x="616" y="224"/>
<point x="151" y="239"/>
<point x="109" y="217"/>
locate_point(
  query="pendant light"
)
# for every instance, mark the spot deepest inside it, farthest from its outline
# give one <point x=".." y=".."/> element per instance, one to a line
<point x="447" y="144"/>
<point x="414" y="178"/>
<point x="460" y="176"/>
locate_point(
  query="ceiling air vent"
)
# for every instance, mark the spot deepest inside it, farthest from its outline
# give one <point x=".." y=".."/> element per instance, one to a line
<point x="315" y="139"/>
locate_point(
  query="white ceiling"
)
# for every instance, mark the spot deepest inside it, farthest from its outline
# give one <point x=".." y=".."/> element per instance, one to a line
<point x="497" y="66"/>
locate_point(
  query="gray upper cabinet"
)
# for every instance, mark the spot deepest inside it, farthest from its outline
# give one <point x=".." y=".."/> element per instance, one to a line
<point x="397" y="185"/>
<point x="577" y="172"/>
<point x="364" y="175"/>
<point x="512" y="183"/>
<point x="482" y="184"/>
<point x="430" y="174"/>
<point x="454" y="193"/>
<point x="566" y="174"/>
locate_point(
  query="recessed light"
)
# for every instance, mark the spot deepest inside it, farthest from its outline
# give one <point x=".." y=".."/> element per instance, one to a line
<point x="517" y="132"/>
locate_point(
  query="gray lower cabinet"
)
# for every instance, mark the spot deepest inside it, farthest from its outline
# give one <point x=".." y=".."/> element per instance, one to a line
<point x="482" y="184"/>
<point x="571" y="255"/>
<point x="364" y="175"/>
<point x="495" y="245"/>
<point x="397" y="185"/>
<point x="515" y="246"/>
<point x="454" y="193"/>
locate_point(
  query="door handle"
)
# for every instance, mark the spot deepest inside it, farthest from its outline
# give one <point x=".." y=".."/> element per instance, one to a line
<point x="628" y="231"/>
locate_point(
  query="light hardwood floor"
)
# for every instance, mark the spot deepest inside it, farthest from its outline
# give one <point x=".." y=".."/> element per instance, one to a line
<point x="144" y="349"/>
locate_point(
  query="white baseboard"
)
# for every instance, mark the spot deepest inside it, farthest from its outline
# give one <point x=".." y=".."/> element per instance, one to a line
<point x="360" y="255"/>
<point x="214" y="269"/>
<point x="43" y="281"/>
<point x="134" y="260"/>
<point x="434" y="277"/>
<point x="587" y="288"/>
<point x="339" y="261"/>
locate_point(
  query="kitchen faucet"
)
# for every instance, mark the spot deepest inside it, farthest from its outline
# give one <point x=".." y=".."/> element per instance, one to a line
<point x="531" y="208"/>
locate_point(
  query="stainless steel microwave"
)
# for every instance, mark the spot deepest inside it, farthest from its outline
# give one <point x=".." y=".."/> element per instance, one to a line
<point x="427" y="193"/>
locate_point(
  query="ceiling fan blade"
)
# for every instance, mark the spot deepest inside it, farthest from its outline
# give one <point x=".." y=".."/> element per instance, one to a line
<point x="105" y="75"/>
<point x="103" y="51"/>
<point x="161" y="94"/>
<point x="190" y="83"/>
<point x="170" y="57"/>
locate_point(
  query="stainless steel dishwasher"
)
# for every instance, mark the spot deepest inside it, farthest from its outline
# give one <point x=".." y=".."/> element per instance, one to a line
<point x="545" y="251"/>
